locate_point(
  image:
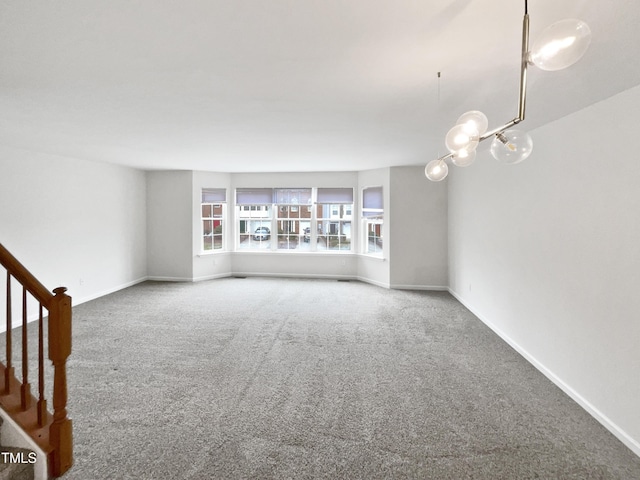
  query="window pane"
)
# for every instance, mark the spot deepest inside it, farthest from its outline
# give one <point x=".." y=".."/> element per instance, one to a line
<point x="373" y="214"/>
<point x="374" y="236"/>
<point x="334" y="226"/>
<point x="345" y="236"/>
<point x="254" y="227"/>
<point x="292" y="204"/>
<point x="283" y="212"/>
<point x="304" y="240"/>
<point x="334" y="235"/>
<point x="212" y="218"/>
<point x="288" y="234"/>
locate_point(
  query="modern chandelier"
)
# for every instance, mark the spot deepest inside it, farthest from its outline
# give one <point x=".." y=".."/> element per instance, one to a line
<point x="560" y="45"/>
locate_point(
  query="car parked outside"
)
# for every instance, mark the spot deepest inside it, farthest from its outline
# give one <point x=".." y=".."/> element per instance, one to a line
<point x="262" y="233"/>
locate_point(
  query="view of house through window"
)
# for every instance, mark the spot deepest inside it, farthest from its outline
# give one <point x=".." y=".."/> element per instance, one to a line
<point x="253" y="218"/>
<point x="372" y="219"/>
<point x="294" y="216"/>
<point x="213" y="209"/>
<point x="300" y="219"/>
<point x="334" y="211"/>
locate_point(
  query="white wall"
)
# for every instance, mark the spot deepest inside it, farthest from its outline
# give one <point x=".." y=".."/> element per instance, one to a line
<point x="170" y="225"/>
<point x="418" y="222"/>
<point x="548" y="253"/>
<point x="73" y="223"/>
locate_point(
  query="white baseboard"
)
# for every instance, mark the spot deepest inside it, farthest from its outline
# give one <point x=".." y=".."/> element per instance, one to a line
<point x="619" y="433"/>
<point x="374" y="282"/>
<point x="32" y="317"/>
<point x="293" y="275"/>
<point x="93" y="296"/>
<point x="437" y="288"/>
<point x="169" y="279"/>
<point x="212" y="277"/>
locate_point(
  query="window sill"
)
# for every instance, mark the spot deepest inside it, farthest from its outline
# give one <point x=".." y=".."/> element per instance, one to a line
<point x="373" y="256"/>
<point x="215" y="252"/>
<point x="294" y="252"/>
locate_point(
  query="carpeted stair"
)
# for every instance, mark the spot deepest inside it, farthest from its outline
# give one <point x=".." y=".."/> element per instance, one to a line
<point x="20" y="470"/>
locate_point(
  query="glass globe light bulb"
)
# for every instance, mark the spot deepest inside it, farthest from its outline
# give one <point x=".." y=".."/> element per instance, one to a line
<point x="475" y="121"/>
<point x="560" y="45"/>
<point x="462" y="137"/>
<point x="436" y="170"/>
<point x="463" y="158"/>
<point x="511" y="147"/>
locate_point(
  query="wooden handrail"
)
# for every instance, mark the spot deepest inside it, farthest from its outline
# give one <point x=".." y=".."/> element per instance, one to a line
<point x="24" y="276"/>
<point x="52" y="433"/>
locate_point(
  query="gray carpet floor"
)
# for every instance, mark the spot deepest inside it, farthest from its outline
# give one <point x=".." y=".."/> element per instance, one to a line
<point x="282" y="378"/>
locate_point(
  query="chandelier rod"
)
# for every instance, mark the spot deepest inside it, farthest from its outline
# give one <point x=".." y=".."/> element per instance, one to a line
<point x="522" y="99"/>
<point x="524" y="63"/>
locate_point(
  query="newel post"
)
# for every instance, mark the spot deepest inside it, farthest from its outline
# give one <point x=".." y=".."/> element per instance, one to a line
<point x="60" y="434"/>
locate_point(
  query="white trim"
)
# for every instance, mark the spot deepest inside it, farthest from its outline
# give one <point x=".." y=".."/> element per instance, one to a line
<point x="17" y="321"/>
<point x="372" y="256"/>
<point x="293" y="275"/>
<point x="297" y="253"/>
<point x="620" y="434"/>
<point x="374" y="282"/>
<point x="75" y="301"/>
<point x="437" y="288"/>
<point x="213" y="253"/>
<point x="170" y="279"/>
<point x="212" y="277"/>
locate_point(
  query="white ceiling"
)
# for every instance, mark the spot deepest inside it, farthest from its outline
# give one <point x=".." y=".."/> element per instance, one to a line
<point x="286" y="85"/>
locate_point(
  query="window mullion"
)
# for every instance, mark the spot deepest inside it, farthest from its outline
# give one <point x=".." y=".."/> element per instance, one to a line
<point x="274" y="227"/>
<point x="313" y="227"/>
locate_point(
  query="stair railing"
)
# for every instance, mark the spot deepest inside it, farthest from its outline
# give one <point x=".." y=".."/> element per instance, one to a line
<point x="52" y="433"/>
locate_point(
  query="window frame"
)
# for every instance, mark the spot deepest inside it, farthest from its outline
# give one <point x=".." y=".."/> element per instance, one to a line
<point x="213" y="197"/>
<point x="288" y="201"/>
<point x="332" y="210"/>
<point x="304" y="208"/>
<point x="372" y="220"/>
<point x="256" y="221"/>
